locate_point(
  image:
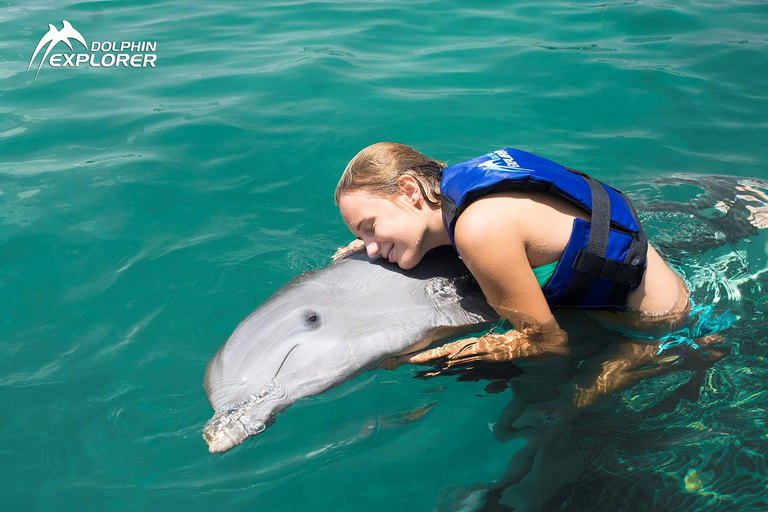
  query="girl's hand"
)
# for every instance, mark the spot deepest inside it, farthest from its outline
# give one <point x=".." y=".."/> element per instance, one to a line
<point x="354" y="246"/>
<point x="491" y="347"/>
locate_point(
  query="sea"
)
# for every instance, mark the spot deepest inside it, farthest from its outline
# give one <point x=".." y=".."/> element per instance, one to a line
<point x="166" y="166"/>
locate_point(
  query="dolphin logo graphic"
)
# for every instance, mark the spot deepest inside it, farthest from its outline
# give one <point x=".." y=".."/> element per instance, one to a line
<point x="54" y="37"/>
<point x="490" y="165"/>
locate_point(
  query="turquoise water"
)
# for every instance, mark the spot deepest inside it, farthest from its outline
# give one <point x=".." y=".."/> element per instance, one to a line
<point x="145" y="212"/>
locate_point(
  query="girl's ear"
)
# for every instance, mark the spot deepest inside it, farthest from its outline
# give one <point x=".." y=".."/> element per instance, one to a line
<point x="407" y="186"/>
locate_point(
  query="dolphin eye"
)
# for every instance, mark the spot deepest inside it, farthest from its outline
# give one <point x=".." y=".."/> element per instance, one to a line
<point x="312" y="319"/>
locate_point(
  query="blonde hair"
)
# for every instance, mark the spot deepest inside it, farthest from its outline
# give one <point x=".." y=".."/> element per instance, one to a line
<point x="377" y="168"/>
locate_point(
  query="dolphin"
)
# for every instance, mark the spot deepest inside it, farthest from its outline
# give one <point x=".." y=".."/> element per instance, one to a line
<point x="327" y="326"/>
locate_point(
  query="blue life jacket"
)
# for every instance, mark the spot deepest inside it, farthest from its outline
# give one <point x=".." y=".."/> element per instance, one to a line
<point x="604" y="259"/>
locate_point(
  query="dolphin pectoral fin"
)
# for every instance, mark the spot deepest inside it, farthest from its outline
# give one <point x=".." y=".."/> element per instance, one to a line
<point x="390" y="363"/>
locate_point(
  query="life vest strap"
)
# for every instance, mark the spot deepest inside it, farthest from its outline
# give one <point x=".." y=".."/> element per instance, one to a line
<point x="597" y="243"/>
<point x="591" y="263"/>
<point x="598" y="266"/>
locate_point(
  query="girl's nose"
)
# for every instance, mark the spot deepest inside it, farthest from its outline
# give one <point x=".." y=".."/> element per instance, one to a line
<point x="372" y="248"/>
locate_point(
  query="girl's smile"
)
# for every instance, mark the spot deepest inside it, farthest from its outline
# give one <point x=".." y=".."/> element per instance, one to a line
<point x="384" y="225"/>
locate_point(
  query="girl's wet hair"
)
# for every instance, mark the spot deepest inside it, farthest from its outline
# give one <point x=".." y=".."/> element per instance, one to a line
<point x="377" y="168"/>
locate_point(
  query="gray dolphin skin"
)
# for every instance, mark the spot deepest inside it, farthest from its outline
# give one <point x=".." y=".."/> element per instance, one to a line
<point x="325" y="327"/>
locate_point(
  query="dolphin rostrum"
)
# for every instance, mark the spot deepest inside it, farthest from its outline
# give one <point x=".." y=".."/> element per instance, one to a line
<point x="327" y="326"/>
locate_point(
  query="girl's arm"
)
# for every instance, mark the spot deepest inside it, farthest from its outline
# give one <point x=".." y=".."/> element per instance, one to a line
<point x="491" y="237"/>
<point x="492" y="245"/>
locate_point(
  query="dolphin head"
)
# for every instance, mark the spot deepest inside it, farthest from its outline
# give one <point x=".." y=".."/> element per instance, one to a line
<point x="305" y="339"/>
<point x="320" y="330"/>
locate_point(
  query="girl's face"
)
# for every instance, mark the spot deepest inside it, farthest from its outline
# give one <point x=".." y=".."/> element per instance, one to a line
<point x="391" y="228"/>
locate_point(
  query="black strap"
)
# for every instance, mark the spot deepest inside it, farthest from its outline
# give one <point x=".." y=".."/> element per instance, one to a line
<point x="590" y="261"/>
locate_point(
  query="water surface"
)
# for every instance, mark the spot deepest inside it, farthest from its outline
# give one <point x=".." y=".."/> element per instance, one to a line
<point x="144" y="212"/>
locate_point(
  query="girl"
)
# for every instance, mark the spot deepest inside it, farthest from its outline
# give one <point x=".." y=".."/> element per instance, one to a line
<point x="534" y="234"/>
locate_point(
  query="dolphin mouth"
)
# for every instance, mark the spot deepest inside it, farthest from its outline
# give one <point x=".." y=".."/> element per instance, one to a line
<point x="234" y="423"/>
<point x="283" y="363"/>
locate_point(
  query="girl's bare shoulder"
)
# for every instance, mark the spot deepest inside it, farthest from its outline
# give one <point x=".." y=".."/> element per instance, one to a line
<point x="539" y="221"/>
<point x="497" y="211"/>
